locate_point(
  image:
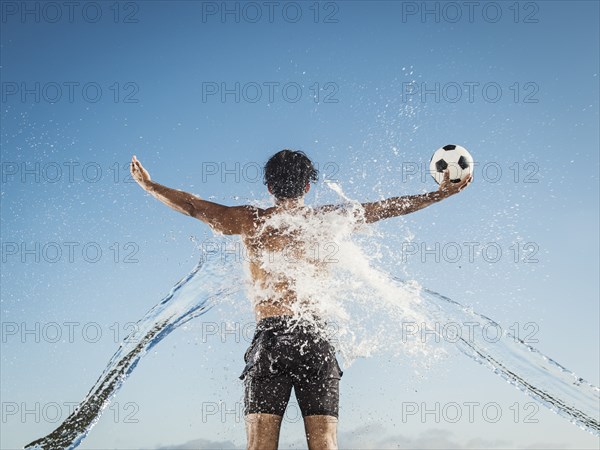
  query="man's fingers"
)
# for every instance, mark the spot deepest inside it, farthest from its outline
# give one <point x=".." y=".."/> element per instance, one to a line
<point x="465" y="182"/>
<point x="134" y="163"/>
<point x="137" y="170"/>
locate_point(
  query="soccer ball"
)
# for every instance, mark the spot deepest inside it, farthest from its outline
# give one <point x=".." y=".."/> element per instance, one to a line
<point x="454" y="158"/>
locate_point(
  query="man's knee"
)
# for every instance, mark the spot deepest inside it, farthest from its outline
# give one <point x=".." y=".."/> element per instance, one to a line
<point x="321" y="432"/>
<point x="325" y="441"/>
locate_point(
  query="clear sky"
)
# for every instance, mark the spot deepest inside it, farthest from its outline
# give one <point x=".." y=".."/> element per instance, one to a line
<point x="203" y="93"/>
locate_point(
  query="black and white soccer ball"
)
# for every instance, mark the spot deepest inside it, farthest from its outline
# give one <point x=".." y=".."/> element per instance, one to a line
<point x="454" y="158"/>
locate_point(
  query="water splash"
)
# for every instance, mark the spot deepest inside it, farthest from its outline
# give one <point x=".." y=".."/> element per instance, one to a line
<point x="214" y="280"/>
<point x="193" y="296"/>
<point x="520" y="364"/>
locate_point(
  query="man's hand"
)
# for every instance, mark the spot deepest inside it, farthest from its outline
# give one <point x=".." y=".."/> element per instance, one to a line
<point x="139" y="174"/>
<point x="448" y="188"/>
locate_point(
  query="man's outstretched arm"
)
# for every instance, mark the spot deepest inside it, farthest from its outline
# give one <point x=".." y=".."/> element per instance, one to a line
<point x="221" y="218"/>
<point x="397" y="206"/>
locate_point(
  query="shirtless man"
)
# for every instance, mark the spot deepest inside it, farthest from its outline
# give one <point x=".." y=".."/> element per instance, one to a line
<point x="284" y="353"/>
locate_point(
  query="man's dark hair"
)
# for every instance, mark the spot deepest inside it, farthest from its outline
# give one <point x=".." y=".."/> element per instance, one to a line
<point x="287" y="172"/>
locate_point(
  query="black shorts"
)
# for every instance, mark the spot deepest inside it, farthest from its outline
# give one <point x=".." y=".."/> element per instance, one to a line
<point x="286" y="353"/>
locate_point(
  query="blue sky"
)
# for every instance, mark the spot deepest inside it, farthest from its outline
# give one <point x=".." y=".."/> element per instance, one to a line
<point x="386" y="82"/>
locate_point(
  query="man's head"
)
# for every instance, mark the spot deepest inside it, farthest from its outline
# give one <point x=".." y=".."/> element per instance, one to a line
<point x="288" y="174"/>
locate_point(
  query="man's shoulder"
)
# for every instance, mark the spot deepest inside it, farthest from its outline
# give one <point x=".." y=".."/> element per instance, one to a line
<point x="250" y="211"/>
<point x="250" y="216"/>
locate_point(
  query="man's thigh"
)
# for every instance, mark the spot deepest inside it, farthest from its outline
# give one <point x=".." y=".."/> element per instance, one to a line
<point x="266" y="395"/>
<point x="318" y="396"/>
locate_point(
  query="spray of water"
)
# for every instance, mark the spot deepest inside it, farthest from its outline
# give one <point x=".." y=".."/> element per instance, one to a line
<point x="192" y="296"/>
<point x="335" y="278"/>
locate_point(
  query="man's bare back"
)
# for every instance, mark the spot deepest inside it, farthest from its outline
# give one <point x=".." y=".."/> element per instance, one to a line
<point x="265" y="241"/>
